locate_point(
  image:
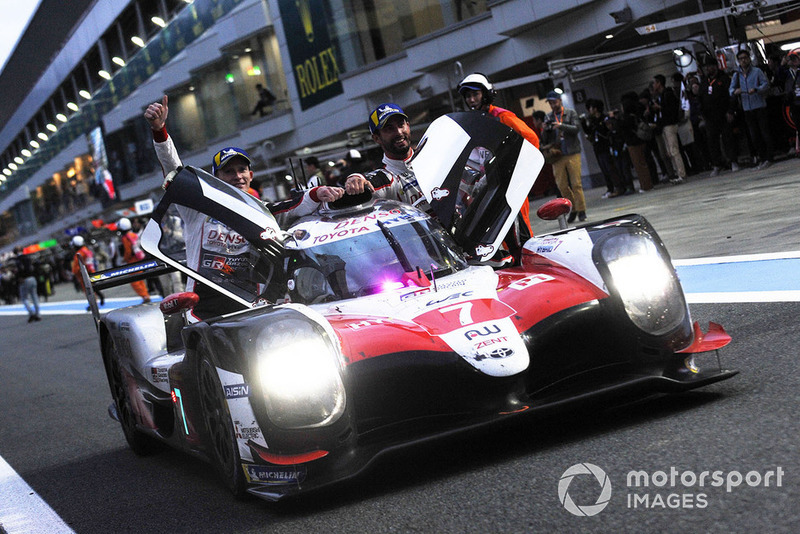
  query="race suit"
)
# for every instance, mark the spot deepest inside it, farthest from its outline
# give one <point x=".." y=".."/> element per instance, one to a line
<point x="395" y="181"/>
<point x="213" y="248"/>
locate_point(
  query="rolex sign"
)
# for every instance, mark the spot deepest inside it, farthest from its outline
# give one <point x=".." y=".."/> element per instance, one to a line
<point x="314" y="62"/>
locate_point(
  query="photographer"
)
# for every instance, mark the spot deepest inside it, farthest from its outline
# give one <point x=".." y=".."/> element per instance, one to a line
<point x="595" y="126"/>
<point x="561" y="130"/>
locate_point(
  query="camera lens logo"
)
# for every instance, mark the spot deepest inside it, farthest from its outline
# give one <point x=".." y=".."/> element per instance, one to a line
<point x="584" y="469"/>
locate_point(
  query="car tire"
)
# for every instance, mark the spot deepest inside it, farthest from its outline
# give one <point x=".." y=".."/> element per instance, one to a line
<point x="139" y="442"/>
<point x="219" y="431"/>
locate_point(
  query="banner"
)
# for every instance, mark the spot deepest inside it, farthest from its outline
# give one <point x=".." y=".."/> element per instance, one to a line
<point x="314" y="62"/>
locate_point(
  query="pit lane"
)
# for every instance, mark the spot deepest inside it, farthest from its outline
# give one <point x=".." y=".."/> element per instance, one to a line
<point x="55" y="433"/>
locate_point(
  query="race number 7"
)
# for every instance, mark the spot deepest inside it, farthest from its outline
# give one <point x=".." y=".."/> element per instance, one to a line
<point x="464" y="312"/>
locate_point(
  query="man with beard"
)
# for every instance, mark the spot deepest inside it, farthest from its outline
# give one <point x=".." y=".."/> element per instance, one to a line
<point x="391" y="130"/>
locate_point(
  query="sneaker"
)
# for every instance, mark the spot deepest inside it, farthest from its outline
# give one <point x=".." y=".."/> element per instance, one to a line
<point x="581" y="216"/>
<point x="676" y="181"/>
<point x="607" y="194"/>
<point x="629" y="192"/>
<point x="714" y="172"/>
<point x="734" y="167"/>
<point x="615" y="194"/>
<point x="572" y="216"/>
<point x="764" y="164"/>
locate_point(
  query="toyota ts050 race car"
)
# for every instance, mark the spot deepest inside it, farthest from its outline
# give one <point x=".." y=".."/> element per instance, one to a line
<point x="372" y="325"/>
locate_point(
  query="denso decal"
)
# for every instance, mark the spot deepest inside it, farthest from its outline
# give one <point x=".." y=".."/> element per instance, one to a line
<point x="274" y="475"/>
<point x="225" y="238"/>
<point x="529" y="281"/>
<point x="236" y="391"/>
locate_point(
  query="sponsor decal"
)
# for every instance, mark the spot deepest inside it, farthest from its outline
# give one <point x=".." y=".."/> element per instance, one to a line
<point x="547" y="245"/>
<point x="460" y="314"/>
<point x="487" y="342"/>
<point x="438" y="193"/>
<point x="236" y="391"/>
<point x="159" y="374"/>
<point x="225" y="264"/>
<point x="529" y="281"/>
<point x="249" y="432"/>
<point x="454" y="296"/>
<point x="485" y="331"/>
<point x="365" y="323"/>
<point x="262" y="474"/>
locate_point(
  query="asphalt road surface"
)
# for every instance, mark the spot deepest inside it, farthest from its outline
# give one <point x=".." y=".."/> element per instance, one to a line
<point x="739" y="437"/>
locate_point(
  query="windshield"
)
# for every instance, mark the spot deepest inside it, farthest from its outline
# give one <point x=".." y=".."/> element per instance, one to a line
<point x="349" y="257"/>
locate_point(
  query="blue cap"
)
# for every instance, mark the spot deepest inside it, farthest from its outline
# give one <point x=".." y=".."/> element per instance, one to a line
<point x="378" y="118"/>
<point x="225" y="155"/>
<point x="552" y="95"/>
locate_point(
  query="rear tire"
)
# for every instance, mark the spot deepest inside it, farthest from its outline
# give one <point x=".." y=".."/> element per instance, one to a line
<point x="221" y="437"/>
<point x="139" y="442"/>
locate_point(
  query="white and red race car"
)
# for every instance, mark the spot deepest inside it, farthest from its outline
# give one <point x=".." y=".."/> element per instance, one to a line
<point x="374" y="325"/>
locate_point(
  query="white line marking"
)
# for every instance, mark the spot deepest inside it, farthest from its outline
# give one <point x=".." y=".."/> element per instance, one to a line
<point x="735" y="259"/>
<point x="22" y="510"/>
<point x="743" y="296"/>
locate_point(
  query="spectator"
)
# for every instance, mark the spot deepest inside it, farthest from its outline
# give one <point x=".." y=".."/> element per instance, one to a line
<point x="314" y="176"/>
<point x="595" y="126"/>
<point x="26" y="281"/>
<point x="654" y="162"/>
<point x="265" y="100"/>
<point x="627" y="126"/>
<point x="692" y="157"/>
<point x="561" y="131"/>
<point x="751" y="85"/>
<point x="666" y="106"/>
<point x="82" y="254"/>
<point x="792" y="90"/>
<point x="716" y="109"/>
<point x="132" y="252"/>
<point x="546" y="183"/>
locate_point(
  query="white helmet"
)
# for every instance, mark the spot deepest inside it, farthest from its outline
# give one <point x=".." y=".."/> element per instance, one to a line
<point x="478" y="82"/>
<point x="78" y="241"/>
<point x="124" y="224"/>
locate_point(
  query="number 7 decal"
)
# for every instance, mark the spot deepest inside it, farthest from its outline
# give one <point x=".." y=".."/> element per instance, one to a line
<point x="464" y="312"/>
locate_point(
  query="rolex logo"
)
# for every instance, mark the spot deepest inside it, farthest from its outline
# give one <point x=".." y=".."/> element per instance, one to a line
<point x="304" y="9"/>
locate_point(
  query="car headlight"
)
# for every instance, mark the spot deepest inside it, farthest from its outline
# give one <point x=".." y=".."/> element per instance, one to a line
<point x="644" y="281"/>
<point x="300" y="375"/>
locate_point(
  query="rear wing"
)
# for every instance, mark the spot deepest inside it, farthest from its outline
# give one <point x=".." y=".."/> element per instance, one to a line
<point x="118" y="276"/>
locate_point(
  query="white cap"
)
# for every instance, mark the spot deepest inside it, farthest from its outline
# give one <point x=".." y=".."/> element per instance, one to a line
<point x="124" y="224"/>
<point x="78" y="241"/>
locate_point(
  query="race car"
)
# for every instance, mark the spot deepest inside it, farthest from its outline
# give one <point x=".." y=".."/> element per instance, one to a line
<point x="371" y="325"/>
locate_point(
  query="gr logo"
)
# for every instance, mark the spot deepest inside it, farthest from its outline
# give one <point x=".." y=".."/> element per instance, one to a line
<point x="584" y="469"/>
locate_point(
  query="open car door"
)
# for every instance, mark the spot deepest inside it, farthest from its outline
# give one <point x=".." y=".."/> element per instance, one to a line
<point x="476" y="173"/>
<point x="219" y="236"/>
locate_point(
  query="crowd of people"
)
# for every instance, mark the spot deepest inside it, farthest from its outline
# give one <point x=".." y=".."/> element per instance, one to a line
<point x="708" y="121"/>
